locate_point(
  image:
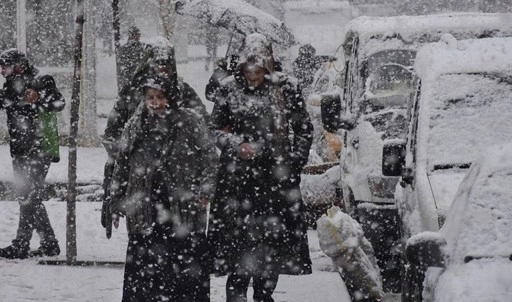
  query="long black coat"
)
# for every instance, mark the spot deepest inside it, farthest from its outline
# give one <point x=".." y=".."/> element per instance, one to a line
<point x="164" y="167"/>
<point x="258" y="209"/>
<point x="25" y="129"/>
<point x="186" y="168"/>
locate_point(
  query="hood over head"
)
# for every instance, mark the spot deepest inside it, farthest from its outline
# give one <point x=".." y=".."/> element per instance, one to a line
<point x="165" y="85"/>
<point x="160" y="52"/>
<point x="256" y="49"/>
<point x="13" y="56"/>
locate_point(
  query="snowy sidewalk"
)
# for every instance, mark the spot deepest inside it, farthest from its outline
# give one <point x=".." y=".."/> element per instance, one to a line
<point x="90" y="164"/>
<point x="25" y="280"/>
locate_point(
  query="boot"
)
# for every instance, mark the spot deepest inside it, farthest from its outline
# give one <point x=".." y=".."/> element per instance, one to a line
<point x="47" y="249"/>
<point x="14" y="252"/>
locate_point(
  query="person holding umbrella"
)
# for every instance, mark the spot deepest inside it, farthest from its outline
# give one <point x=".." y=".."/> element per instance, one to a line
<point x="263" y="130"/>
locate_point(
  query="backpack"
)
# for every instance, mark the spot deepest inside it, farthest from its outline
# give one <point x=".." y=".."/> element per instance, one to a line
<point x="50" y="135"/>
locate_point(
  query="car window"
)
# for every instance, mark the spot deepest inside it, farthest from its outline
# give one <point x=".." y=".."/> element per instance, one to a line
<point x="390" y="123"/>
<point x="404" y="57"/>
<point x="463" y="120"/>
<point x="390" y="79"/>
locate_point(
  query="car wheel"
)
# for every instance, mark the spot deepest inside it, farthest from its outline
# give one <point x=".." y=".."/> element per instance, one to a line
<point x="412" y="284"/>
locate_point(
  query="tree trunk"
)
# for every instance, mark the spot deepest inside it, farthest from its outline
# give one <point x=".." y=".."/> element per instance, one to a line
<point x="73" y="133"/>
<point x="88" y="132"/>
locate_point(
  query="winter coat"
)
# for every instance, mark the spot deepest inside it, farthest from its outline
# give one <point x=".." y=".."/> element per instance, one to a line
<point x="184" y="166"/>
<point x="27" y="130"/>
<point x="258" y="207"/>
<point x="130" y="56"/>
<point x="306" y="65"/>
<point x="131" y="95"/>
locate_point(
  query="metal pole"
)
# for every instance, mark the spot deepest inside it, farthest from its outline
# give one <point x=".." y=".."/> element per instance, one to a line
<point x="21" y="26"/>
<point x="71" y="250"/>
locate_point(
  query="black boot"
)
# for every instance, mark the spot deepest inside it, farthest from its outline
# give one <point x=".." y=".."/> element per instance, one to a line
<point x="47" y="249"/>
<point x="14" y="251"/>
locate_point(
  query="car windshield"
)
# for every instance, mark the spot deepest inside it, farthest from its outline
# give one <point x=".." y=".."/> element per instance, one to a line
<point x="469" y="117"/>
<point x="404" y="57"/>
<point x="390" y="79"/>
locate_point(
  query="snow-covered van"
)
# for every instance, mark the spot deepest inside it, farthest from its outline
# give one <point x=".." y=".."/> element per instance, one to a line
<point x="379" y="82"/>
<point x="462" y="104"/>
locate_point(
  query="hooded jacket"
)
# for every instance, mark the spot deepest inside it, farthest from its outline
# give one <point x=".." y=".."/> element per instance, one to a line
<point x="183" y="164"/>
<point x="258" y="206"/>
<point x="131" y="95"/>
<point x="26" y="133"/>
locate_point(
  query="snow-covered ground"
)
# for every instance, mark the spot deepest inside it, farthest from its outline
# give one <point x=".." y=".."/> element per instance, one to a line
<point x="26" y="280"/>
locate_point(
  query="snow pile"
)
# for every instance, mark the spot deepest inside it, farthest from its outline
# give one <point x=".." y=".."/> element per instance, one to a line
<point x="320" y="189"/>
<point x="342" y="239"/>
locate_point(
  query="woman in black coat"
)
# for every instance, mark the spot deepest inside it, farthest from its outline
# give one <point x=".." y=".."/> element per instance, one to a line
<point x="264" y="133"/>
<point x="163" y="179"/>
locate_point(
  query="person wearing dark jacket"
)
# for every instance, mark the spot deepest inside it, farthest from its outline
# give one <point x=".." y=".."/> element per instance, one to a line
<point x="305" y="65"/>
<point x="264" y="133"/>
<point x="162" y="182"/>
<point x="129" y="57"/>
<point x="159" y="60"/>
<point x="29" y="100"/>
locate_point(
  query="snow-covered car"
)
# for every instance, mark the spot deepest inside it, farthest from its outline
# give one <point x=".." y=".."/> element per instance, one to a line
<point x="462" y="104"/>
<point x="379" y="83"/>
<point x="469" y="259"/>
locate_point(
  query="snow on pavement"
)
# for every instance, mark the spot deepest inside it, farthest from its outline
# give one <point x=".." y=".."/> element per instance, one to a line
<point x="26" y="280"/>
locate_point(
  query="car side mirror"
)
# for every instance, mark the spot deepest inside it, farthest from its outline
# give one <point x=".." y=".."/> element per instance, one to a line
<point x="393" y="159"/>
<point x="407" y="177"/>
<point x="330" y="109"/>
<point x="425" y="250"/>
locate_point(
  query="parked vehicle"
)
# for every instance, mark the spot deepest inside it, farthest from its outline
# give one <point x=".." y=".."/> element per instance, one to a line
<point x="461" y="105"/>
<point x="469" y="259"/>
<point x="379" y="83"/>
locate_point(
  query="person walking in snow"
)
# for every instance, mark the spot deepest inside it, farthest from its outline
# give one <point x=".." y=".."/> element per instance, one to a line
<point x="30" y="102"/>
<point x="264" y="133"/>
<point x="305" y="65"/>
<point x="129" y="57"/>
<point x="162" y="182"/>
<point x="159" y="60"/>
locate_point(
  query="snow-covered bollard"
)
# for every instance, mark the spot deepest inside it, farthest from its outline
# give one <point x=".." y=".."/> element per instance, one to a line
<point x="342" y="239"/>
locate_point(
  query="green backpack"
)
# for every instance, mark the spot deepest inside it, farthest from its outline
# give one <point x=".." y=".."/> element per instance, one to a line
<point x="50" y="134"/>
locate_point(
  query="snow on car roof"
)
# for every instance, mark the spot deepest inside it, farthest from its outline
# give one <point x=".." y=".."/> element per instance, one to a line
<point x="407" y="32"/>
<point x="465" y="56"/>
<point x="409" y="26"/>
<point x="478" y="224"/>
